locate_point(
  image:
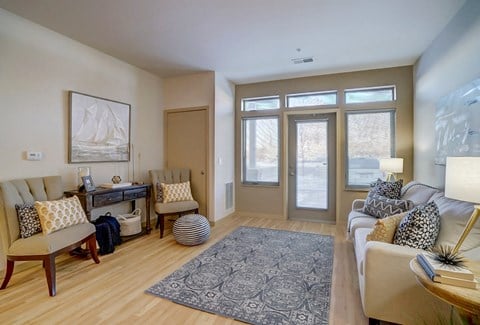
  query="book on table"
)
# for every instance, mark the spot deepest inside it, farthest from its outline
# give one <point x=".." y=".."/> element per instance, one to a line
<point x="458" y="276"/>
<point x="113" y="185"/>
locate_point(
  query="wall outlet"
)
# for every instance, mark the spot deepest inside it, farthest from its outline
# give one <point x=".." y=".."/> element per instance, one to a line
<point x="34" y="155"/>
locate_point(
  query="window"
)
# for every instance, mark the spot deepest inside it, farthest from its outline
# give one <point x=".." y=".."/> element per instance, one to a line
<point x="260" y="147"/>
<point x="261" y="103"/>
<point x="370" y="136"/>
<point x="312" y="99"/>
<point x="369" y="95"/>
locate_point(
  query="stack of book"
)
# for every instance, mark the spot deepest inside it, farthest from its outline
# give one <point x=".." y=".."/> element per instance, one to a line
<point x="444" y="273"/>
<point x="115" y="185"/>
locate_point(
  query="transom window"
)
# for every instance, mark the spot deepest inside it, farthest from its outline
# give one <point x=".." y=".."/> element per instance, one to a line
<point x="261" y="103"/>
<point x="312" y="99"/>
<point x="369" y="95"/>
<point x="370" y="136"/>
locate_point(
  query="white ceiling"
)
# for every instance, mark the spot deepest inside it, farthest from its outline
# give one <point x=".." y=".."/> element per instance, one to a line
<point x="248" y="40"/>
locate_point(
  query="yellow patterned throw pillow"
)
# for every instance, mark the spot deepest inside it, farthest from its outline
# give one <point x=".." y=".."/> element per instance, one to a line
<point x="59" y="214"/>
<point x="385" y="228"/>
<point x="176" y="192"/>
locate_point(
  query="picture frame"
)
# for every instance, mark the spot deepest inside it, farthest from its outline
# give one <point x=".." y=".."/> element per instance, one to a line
<point x="99" y="129"/>
<point x="88" y="183"/>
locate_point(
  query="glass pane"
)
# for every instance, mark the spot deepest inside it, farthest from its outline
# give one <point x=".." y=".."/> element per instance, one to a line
<point x="258" y="104"/>
<point x="369" y="138"/>
<point x="312" y="99"/>
<point x="311" y="173"/>
<point x="369" y="95"/>
<point x="261" y="150"/>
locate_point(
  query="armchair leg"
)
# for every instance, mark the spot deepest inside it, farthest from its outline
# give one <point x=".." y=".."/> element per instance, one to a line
<point x="8" y="273"/>
<point x="92" y="247"/>
<point x="50" y="273"/>
<point x="161" y="218"/>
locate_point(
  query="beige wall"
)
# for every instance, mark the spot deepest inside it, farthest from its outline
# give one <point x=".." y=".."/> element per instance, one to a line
<point x="451" y="61"/>
<point x="224" y="143"/>
<point x="270" y="201"/>
<point x="217" y="93"/>
<point x="37" y="69"/>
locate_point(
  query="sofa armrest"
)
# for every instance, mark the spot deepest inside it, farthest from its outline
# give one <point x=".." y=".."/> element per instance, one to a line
<point x="389" y="286"/>
<point x="358" y="204"/>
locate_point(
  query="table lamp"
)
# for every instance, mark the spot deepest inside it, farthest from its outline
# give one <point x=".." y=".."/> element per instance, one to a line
<point x="462" y="182"/>
<point x="391" y="166"/>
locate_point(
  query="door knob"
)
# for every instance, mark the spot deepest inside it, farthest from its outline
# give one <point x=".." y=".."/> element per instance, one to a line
<point x="202" y="172"/>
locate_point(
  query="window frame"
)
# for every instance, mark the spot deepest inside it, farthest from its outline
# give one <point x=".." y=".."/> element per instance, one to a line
<point x="312" y="93"/>
<point x="244" y="155"/>
<point x="393" y="114"/>
<point x="393" y="88"/>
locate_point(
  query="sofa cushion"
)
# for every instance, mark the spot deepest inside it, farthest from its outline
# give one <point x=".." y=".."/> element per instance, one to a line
<point x="385" y="229"/>
<point x="392" y="190"/>
<point x="454" y="215"/>
<point x="28" y="220"/>
<point x="419" y="228"/>
<point x="358" y="219"/>
<point x="418" y="193"/>
<point x="381" y="206"/>
<point x="60" y="214"/>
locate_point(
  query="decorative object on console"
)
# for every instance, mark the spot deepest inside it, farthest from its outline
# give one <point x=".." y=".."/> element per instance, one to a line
<point x="116" y="179"/>
<point x="391" y="166"/>
<point x="81" y="172"/>
<point x="112" y="185"/>
<point x="99" y="129"/>
<point x="88" y="184"/>
<point x="462" y="182"/>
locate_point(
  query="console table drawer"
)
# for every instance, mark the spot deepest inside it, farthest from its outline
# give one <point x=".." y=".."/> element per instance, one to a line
<point x="107" y="198"/>
<point x="134" y="194"/>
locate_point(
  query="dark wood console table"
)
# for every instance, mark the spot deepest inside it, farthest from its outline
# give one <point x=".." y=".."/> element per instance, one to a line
<point x="107" y="196"/>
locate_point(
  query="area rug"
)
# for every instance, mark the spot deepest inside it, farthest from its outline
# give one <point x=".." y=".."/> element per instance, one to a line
<point x="258" y="276"/>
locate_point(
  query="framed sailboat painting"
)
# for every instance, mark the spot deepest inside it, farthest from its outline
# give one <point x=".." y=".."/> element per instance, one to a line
<point x="99" y="129"/>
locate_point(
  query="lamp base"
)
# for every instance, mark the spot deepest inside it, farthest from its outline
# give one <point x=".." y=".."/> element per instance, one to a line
<point x="390" y="177"/>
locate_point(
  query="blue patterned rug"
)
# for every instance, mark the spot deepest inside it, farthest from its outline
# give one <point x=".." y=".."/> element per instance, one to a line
<point x="258" y="276"/>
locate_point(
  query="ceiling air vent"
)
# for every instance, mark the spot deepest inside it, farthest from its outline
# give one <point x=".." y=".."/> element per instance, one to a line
<point x="302" y="60"/>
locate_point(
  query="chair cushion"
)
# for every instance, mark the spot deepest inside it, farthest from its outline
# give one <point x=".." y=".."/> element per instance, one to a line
<point x="40" y="244"/>
<point x="28" y="220"/>
<point x="174" y="207"/>
<point x="59" y="214"/>
<point x="176" y="192"/>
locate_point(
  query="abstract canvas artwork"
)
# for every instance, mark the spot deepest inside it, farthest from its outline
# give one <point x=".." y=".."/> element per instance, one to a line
<point x="99" y="129"/>
<point x="457" y="123"/>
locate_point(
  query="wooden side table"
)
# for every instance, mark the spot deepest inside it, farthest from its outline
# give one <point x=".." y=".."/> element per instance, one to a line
<point x="466" y="300"/>
<point x="107" y="196"/>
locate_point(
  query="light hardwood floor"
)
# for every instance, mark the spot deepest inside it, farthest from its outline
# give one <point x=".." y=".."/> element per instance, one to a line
<point x="113" y="291"/>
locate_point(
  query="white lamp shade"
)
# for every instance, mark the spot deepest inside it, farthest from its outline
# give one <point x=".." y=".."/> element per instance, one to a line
<point x="391" y="165"/>
<point x="462" y="179"/>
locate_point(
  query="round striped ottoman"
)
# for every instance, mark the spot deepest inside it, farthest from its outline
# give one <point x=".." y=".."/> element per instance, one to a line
<point x="191" y="229"/>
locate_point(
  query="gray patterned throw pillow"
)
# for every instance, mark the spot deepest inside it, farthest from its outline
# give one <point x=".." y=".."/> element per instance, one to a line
<point x="392" y="190"/>
<point x="382" y="206"/>
<point x="419" y="228"/>
<point x="28" y="220"/>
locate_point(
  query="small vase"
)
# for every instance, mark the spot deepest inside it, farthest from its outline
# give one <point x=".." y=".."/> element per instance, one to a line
<point x="116" y="179"/>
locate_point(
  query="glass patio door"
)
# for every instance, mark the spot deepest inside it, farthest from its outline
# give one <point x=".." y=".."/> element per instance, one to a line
<point x="311" y="167"/>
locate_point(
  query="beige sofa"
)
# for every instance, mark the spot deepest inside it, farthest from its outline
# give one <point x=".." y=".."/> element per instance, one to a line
<point x="388" y="288"/>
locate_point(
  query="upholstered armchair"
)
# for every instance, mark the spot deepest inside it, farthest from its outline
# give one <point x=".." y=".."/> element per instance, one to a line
<point x="21" y="243"/>
<point x="165" y="206"/>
